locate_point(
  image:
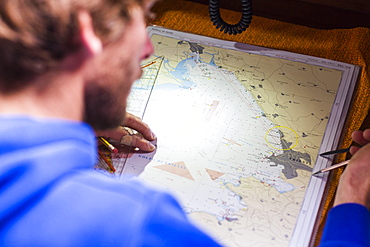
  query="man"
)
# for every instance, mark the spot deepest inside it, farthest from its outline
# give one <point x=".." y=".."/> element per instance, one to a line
<point x="64" y="63"/>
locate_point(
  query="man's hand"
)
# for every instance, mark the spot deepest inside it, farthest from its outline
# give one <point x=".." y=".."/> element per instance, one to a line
<point x="360" y="137"/>
<point x="354" y="184"/>
<point x="125" y="136"/>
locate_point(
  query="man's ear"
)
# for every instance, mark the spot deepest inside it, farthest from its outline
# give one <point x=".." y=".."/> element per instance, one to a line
<point x="89" y="40"/>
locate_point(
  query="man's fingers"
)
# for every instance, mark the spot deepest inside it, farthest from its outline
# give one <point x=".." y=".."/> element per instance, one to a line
<point x="127" y="135"/>
<point x="138" y="142"/>
<point x="353" y="149"/>
<point x="137" y="124"/>
<point x="366" y="135"/>
<point x="114" y="134"/>
<point x="360" y="137"/>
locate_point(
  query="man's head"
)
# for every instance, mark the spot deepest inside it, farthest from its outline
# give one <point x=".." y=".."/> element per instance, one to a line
<point x="36" y="36"/>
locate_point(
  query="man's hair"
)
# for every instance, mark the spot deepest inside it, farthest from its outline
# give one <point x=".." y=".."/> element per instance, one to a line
<point x="36" y="34"/>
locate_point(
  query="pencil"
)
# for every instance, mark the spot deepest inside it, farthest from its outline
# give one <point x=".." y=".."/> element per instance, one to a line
<point x="111" y="167"/>
<point x="339" y="151"/>
<point x="146" y="65"/>
<point x="108" y="145"/>
<point x="331" y="167"/>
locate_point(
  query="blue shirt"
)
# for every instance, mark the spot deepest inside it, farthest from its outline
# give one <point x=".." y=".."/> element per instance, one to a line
<point x="347" y="225"/>
<point x="51" y="196"/>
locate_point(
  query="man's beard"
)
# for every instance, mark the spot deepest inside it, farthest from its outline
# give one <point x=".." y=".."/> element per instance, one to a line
<point x="104" y="107"/>
<point x="106" y="95"/>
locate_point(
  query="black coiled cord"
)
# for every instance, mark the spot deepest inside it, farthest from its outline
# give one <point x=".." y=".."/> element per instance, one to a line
<point x="214" y="13"/>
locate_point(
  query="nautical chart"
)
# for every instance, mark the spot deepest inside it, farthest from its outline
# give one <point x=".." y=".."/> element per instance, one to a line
<point x="239" y="129"/>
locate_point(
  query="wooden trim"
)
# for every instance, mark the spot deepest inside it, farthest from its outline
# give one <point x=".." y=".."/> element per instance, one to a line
<point x="305" y="12"/>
